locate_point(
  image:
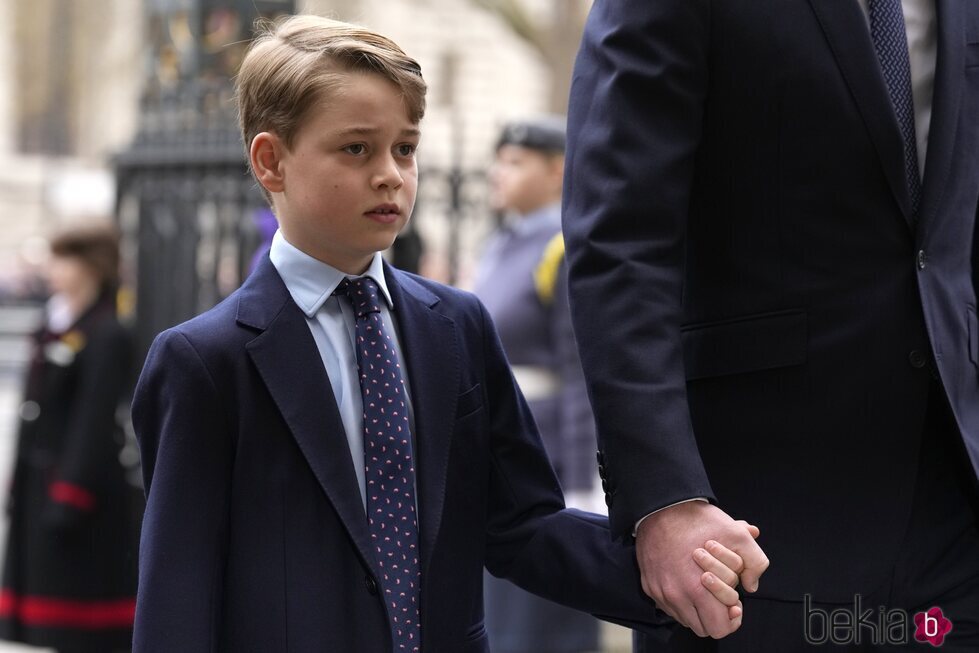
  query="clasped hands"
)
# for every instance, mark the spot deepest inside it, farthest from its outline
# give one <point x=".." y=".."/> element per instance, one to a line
<point x="692" y="556"/>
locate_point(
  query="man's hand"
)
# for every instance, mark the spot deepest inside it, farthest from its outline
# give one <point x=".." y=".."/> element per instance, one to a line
<point x="672" y="577"/>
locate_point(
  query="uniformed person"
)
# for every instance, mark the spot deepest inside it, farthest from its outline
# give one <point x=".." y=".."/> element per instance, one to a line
<point x="522" y="279"/>
<point x="69" y="574"/>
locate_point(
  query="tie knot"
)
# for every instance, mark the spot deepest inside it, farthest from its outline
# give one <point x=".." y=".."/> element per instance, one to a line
<point x="363" y="293"/>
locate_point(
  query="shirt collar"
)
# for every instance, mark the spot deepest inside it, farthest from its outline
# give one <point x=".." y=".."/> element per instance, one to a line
<point x="311" y="281"/>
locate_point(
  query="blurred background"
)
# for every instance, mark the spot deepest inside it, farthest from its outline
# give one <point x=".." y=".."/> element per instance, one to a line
<point x="122" y="110"/>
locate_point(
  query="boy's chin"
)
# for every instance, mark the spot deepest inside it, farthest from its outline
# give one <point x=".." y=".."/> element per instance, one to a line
<point x="378" y="244"/>
<point x="386" y="237"/>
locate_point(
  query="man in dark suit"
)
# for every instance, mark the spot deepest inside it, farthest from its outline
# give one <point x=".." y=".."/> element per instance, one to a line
<point x="770" y="214"/>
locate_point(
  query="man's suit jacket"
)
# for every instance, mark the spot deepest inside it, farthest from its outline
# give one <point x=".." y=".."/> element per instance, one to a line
<point x="255" y="538"/>
<point x="758" y="312"/>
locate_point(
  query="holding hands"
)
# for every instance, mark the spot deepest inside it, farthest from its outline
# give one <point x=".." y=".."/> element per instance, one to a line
<point x="720" y="579"/>
<point x="698" y="589"/>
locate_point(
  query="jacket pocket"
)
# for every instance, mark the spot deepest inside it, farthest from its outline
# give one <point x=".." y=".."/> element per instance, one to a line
<point x="973" y="335"/>
<point x="469" y="401"/>
<point x="747" y="343"/>
<point x="972" y="55"/>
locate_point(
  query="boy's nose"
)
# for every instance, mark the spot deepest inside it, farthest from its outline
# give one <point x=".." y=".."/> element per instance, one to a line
<point x="388" y="174"/>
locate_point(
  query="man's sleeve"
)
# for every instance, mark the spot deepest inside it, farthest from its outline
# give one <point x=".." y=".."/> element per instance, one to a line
<point x="634" y="128"/>
<point x="975" y="257"/>
<point x="185" y="444"/>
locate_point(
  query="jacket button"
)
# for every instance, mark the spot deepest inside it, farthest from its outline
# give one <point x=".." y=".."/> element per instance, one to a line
<point x="371" y="585"/>
<point x="917" y="359"/>
<point x="30" y="411"/>
<point x="922" y="259"/>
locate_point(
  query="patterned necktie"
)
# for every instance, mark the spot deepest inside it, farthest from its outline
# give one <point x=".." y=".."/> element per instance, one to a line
<point x="891" y="44"/>
<point x="388" y="463"/>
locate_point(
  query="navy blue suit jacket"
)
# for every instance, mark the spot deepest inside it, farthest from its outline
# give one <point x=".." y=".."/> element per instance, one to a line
<point x="255" y="538"/>
<point x="758" y="312"/>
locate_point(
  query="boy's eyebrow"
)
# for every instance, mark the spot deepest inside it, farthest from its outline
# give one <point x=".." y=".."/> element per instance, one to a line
<point x="412" y="131"/>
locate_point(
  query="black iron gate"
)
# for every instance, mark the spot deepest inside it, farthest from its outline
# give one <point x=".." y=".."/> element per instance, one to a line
<point x="186" y="204"/>
<point x="187" y="207"/>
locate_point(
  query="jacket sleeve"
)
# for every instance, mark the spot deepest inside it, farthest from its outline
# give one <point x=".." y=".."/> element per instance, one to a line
<point x="975" y="257"/>
<point x="563" y="555"/>
<point x="90" y="448"/>
<point x="634" y="127"/>
<point x="186" y="447"/>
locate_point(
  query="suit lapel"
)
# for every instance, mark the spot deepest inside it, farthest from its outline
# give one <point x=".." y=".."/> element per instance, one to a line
<point x="845" y="27"/>
<point x="949" y="73"/>
<point x="291" y="368"/>
<point x="283" y="353"/>
<point x="430" y="352"/>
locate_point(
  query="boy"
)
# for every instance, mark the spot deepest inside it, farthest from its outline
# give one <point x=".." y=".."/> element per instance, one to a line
<point x="285" y="431"/>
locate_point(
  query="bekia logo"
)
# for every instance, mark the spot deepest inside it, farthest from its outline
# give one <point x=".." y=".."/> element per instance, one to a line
<point x="931" y="627"/>
<point x="856" y="625"/>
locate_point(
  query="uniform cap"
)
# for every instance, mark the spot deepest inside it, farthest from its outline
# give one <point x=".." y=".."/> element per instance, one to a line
<point x="546" y="134"/>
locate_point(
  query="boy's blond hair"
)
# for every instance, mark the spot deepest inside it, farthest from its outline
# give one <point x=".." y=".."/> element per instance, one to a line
<point x="296" y="62"/>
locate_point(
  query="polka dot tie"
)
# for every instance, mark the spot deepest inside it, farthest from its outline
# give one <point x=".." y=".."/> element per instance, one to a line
<point x="891" y="44"/>
<point x="389" y="465"/>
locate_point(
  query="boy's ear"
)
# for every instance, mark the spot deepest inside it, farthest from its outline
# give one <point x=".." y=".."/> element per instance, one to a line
<point x="265" y="156"/>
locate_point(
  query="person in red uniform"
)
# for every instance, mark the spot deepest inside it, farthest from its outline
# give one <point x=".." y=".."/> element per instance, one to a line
<point x="69" y="573"/>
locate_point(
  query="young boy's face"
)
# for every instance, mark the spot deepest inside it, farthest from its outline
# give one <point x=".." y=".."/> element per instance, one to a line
<point x="347" y="185"/>
<point x="524" y="180"/>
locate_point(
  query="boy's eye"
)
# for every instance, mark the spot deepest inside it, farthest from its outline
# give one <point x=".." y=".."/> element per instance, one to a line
<point x="356" y="148"/>
<point x="406" y="149"/>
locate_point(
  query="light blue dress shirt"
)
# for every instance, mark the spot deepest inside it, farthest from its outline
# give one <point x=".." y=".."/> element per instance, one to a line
<point x="332" y="322"/>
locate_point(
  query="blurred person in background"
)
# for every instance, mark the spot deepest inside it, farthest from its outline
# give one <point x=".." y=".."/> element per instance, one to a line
<point x="522" y="280"/>
<point x="69" y="573"/>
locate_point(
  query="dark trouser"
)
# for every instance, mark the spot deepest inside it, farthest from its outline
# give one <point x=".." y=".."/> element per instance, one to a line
<point x="938" y="566"/>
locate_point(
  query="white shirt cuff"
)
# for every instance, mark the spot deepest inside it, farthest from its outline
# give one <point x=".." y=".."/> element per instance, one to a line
<point x="635" y="529"/>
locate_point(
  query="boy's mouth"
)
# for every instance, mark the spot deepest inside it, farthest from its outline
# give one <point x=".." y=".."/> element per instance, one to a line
<point x="385" y="213"/>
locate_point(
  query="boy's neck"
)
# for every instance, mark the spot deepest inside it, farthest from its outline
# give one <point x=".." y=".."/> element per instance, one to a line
<point x="353" y="269"/>
<point x="350" y="265"/>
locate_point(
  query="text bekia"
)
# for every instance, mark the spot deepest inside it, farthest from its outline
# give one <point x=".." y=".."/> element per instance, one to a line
<point x="884" y="626"/>
<point x="855" y="625"/>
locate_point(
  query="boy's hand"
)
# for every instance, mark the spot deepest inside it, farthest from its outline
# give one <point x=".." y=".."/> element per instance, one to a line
<point x="721" y="568"/>
<point x="670" y="576"/>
